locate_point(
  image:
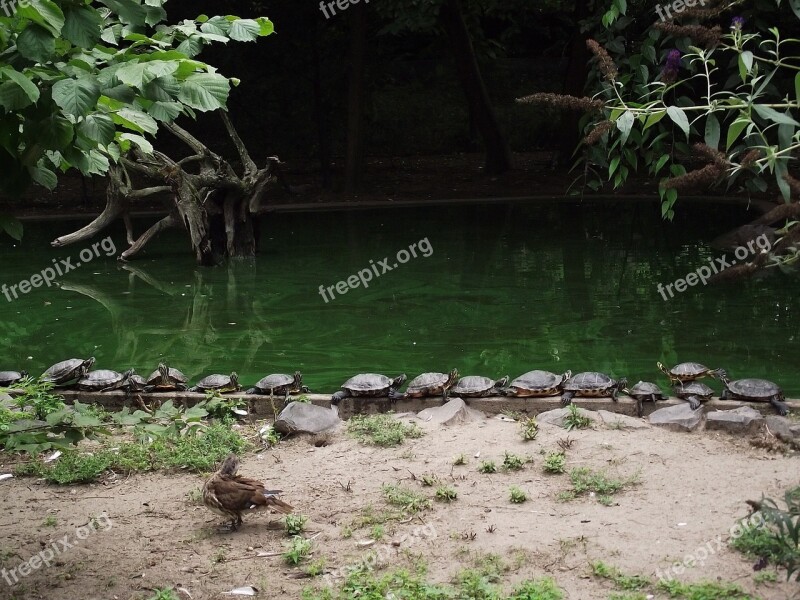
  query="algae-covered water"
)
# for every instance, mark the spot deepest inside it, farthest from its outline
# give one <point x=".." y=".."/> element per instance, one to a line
<point x="493" y="290"/>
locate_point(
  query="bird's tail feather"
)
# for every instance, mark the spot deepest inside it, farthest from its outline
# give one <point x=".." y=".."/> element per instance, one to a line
<point x="278" y="504"/>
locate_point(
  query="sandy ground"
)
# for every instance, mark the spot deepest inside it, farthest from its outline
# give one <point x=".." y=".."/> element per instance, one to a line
<point x="692" y="489"/>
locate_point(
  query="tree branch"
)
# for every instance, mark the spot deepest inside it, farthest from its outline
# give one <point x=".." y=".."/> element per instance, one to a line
<point x="167" y="222"/>
<point x="248" y="163"/>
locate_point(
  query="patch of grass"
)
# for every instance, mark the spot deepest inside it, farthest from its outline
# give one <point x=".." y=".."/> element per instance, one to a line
<point x="269" y="436"/>
<point x="512" y="462"/>
<point x="347" y="532"/>
<point x="298" y="551"/>
<point x="377" y="532"/>
<point x="446" y="494"/>
<point x="625" y="582"/>
<point x="199" y="452"/>
<point x="295" y="524"/>
<point x="585" y="480"/>
<point x="765" y="577"/>
<point x="555" y="462"/>
<point x="529" y="429"/>
<point x="575" y="420"/>
<point x="459" y="460"/>
<point x="487" y="466"/>
<point x="316" y="568"/>
<point x="703" y="590"/>
<point x="517" y="495"/>
<point x="50" y="521"/>
<point x="381" y="430"/>
<point x="219" y="556"/>
<point x="429" y="480"/>
<point x="565" y="496"/>
<point x="364" y="583"/>
<point x="537" y="589"/>
<point x="163" y="594"/>
<point x="195" y="496"/>
<point x="627" y="596"/>
<point x="408" y="500"/>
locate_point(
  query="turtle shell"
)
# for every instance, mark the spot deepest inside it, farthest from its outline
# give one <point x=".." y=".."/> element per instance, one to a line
<point x="100" y="379"/>
<point x="473" y="384"/>
<point x="589" y="382"/>
<point x="645" y="388"/>
<point x="11" y="377"/>
<point x="371" y="384"/>
<point x="215" y="381"/>
<point x="175" y="376"/>
<point x="67" y="370"/>
<point x="760" y="390"/>
<point x="276" y="382"/>
<point x="538" y="383"/>
<point x="693" y="388"/>
<point x="427" y="381"/>
<point x="137" y="382"/>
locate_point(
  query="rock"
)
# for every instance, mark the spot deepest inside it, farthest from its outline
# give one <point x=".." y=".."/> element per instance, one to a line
<point x="304" y="417"/>
<point x="455" y="411"/>
<point x="614" y="420"/>
<point x="784" y="429"/>
<point x="680" y="417"/>
<point x="741" y="420"/>
<point x="557" y="416"/>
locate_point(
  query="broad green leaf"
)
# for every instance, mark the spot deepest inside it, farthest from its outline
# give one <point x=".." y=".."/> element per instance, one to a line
<point x="745" y="64"/>
<point x="36" y="43"/>
<point x="23" y="82"/>
<point x="129" y="11"/>
<point x="245" y="30"/>
<point x="132" y="74"/>
<point x="205" y="91"/>
<point x="53" y="133"/>
<point x="76" y="97"/>
<point x="654" y="118"/>
<point x="11" y="226"/>
<point x="142" y="122"/>
<point x="191" y="46"/>
<point x="613" y="166"/>
<point x="13" y="97"/>
<point x="162" y="89"/>
<point x="624" y="124"/>
<point x="769" y="113"/>
<point x="44" y="12"/>
<point x="44" y="177"/>
<point x="82" y="26"/>
<point x="98" y="127"/>
<point x="712" y="131"/>
<point x="165" y="111"/>
<point x="735" y="130"/>
<point x="679" y="118"/>
<point x="141" y="142"/>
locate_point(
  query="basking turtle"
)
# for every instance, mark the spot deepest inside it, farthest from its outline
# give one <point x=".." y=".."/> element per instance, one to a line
<point x="104" y="380"/>
<point x="644" y="391"/>
<point x="166" y="379"/>
<point x="755" y="390"/>
<point x="67" y="371"/>
<point x="537" y="383"/>
<point x="281" y="384"/>
<point x="136" y="383"/>
<point x="428" y="384"/>
<point x="592" y="385"/>
<point x="218" y="383"/>
<point x="689" y="371"/>
<point x="8" y="378"/>
<point x="694" y="392"/>
<point x="370" y="385"/>
<point x="475" y="386"/>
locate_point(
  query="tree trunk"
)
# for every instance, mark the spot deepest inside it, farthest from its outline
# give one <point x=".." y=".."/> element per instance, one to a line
<point x="498" y="155"/>
<point x="354" y="164"/>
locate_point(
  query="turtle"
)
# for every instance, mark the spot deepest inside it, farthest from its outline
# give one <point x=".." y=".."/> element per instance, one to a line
<point x="689" y="371"/>
<point x="9" y="378"/>
<point x="166" y="379"/>
<point x="694" y="392"/>
<point x="370" y="385"/>
<point x="427" y="384"/>
<point x="104" y="380"/>
<point x="643" y="391"/>
<point x="755" y="390"/>
<point x="591" y="385"/>
<point x="218" y="383"/>
<point x="475" y="386"/>
<point x="136" y="383"/>
<point x="67" y="371"/>
<point x="537" y="383"/>
<point x="281" y="384"/>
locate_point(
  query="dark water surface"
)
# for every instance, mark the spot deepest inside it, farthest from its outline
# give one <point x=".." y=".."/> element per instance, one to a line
<point x="505" y="289"/>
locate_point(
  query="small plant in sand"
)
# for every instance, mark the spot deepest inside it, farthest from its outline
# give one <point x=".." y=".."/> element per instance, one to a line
<point x="377" y="532"/>
<point x="408" y="500"/>
<point x="446" y="494"/>
<point x="554" y="462"/>
<point x="429" y="480"/>
<point x="584" y="480"/>
<point x="459" y="460"/>
<point x="529" y="428"/>
<point x="517" y="495"/>
<point x="163" y="594"/>
<point x="50" y="521"/>
<point x="575" y="420"/>
<point x="381" y="430"/>
<point x="298" y="550"/>
<point x="295" y="524"/>
<point x="512" y="462"/>
<point x="487" y="466"/>
<point x="622" y="581"/>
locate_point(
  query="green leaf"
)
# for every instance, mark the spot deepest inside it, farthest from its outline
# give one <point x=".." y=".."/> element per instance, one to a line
<point x="13" y="97"/>
<point x="129" y="11"/>
<point x="766" y="112"/>
<point x="11" y="226"/>
<point x="99" y="128"/>
<point x="661" y="162"/>
<point x="165" y="111"/>
<point x="205" y="91"/>
<point x="712" y="131"/>
<point x="135" y="120"/>
<point x="613" y="166"/>
<point x="745" y="64"/>
<point x="624" y="124"/>
<point x="735" y="130"/>
<point x="43" y="12"/>
<point x="245" y="30"/>
<point x="36" y="43"/>
<point x="267" y="27"/>
<point x="76" y="97"/>
<point x="797" y="88"/>
<point x="679" y="118"/>
<point x="44" y="177"/>
<point x="82" y="26"/>
<point x="141" y="142"/>
<point x="23" y="82"/>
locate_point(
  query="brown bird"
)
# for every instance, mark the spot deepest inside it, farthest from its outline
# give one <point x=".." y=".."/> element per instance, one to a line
<point x="229" y="495"/>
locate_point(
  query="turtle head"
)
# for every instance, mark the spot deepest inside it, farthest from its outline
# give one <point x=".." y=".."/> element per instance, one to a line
<point x="622" y="384"/>
<point x="128" y="374"/>
<point x="399" y="380"/>
<point x="24" y="374"/>
<point x="663" y="369"/>
<point x="452" y="377"/>
<point x="87" y="364"/>
<point x="298" y="379"/>
<point x="234" y="378"/>
<point x="566" y="375"/>
<point x="163" y="370"/>
<point x="502" y="382"/>
<point x="720" y="374"/>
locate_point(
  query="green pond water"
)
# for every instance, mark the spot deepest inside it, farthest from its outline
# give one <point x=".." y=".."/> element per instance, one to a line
<point x="505" y="289"/>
